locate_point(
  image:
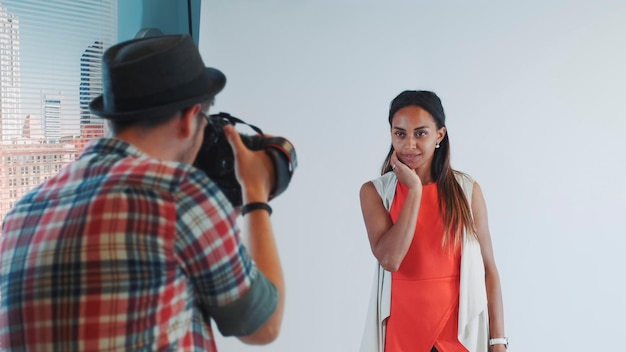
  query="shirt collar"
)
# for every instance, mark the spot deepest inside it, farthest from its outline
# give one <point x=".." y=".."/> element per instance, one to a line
<point x="107" y="146"/>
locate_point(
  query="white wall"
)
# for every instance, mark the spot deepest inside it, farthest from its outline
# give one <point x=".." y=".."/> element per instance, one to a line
<point x="534" y="94"/>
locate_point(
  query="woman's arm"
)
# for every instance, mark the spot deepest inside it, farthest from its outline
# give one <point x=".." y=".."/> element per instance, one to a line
<point x="390" y="242"/>
<point x="492" y="278"/>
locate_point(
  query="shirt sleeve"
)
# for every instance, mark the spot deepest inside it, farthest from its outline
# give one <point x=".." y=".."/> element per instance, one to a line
<point x="247" y="314"/>
<point x="227" y="285"/>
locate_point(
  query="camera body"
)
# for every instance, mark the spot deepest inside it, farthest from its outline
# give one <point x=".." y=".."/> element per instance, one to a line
<point x="217" y="160"/>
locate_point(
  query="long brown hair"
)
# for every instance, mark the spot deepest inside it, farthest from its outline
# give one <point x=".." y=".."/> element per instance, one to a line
<point x="457" y="215"/>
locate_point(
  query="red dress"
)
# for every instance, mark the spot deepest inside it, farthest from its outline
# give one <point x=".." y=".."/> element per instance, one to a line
<point x="425" y="289"/>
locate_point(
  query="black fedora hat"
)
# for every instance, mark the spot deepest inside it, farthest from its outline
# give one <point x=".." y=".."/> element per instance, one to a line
<point x="154" y="75"/>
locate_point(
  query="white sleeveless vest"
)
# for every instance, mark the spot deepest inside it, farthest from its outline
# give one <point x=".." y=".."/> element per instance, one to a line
<point x="473" y="314"/>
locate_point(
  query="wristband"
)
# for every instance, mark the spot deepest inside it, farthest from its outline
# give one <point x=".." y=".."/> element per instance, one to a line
<point x="500" y="341"/>
<point x="255" y="206"/>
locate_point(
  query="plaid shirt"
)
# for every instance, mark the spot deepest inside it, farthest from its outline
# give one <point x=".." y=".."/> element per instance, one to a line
<point x="121" y="251"/>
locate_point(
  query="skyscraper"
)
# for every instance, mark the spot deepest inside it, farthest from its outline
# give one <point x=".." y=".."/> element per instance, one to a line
<point x="90" y="81"/>
<point x="51" y="104"/>
<point x="10" y="106"/>
<point x="90" y="87"/>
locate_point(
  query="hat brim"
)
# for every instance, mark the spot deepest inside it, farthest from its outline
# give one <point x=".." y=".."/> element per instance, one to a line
<point x="217" y="81"/>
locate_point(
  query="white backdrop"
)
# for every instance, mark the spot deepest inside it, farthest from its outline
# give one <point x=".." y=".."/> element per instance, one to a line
<point x="534" y="94"/>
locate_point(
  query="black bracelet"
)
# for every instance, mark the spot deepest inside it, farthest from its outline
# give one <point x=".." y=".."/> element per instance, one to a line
<point x="255" y="206"/>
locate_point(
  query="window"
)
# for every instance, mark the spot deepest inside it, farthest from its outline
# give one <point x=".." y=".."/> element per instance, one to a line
<point x="50" y="70"/>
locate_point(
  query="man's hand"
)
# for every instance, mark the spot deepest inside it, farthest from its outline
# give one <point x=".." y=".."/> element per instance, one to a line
<point x="254" y="169"/>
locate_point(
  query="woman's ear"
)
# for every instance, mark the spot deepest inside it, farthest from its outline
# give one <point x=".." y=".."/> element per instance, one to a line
<point x="441" y="133"/>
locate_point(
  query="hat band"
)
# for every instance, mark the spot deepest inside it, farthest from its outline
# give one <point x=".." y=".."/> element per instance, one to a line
<point x="195" y="89"/>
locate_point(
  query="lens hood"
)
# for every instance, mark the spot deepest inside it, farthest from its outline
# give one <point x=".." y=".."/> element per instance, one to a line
<point x="217" y="160"/>
<point x="283" y="155"/>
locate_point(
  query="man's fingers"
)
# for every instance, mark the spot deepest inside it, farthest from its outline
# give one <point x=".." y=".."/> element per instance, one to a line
<point x="233" y="137"/>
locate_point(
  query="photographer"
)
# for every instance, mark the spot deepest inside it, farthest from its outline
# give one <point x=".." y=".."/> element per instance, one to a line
<point x="132" y="248"/>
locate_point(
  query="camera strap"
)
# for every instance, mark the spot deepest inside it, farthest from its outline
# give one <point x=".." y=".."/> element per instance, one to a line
<point x="232" y="120"/>
<point x="280" y="148"/>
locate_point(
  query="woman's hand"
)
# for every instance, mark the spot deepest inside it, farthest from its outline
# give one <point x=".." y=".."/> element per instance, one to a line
<point x="405" y="175"/>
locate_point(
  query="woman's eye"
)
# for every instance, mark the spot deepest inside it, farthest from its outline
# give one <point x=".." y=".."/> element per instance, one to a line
<point x="400" y="134"/>
<point x="421" y="134"/>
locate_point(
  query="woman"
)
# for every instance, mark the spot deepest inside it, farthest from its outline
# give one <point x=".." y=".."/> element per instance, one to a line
<point x="427" y="227"/>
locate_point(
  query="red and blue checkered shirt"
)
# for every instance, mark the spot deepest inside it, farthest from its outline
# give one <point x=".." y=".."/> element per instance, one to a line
<point x="121" y="251"/>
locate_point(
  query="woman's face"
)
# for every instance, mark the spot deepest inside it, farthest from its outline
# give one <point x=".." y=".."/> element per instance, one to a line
<point x="414" y="135"/>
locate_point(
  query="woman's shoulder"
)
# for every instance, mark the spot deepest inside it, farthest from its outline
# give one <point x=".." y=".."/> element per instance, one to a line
<point x="384" y="185"/>
<point x="385" y="181"/>
<point x="463" y="177"/>
<point x="385" y="178"/>
<point x="466" y="182"/>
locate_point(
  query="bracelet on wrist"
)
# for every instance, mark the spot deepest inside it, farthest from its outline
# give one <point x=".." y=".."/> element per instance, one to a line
<point x="499" y="341"/>
<point x="256" y="206"/>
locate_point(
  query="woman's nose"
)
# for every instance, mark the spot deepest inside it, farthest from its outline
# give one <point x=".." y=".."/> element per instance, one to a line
<point x="412" y="142"/>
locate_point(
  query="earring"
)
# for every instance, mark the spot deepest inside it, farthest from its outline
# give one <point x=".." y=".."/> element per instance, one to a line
<point x="437" y="145"/>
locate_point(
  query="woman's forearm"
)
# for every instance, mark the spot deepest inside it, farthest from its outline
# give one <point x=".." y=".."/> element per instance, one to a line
<point x="495" y="304"/>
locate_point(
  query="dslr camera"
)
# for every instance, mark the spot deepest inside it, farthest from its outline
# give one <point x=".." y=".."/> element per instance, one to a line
<point x="217" y="160"/>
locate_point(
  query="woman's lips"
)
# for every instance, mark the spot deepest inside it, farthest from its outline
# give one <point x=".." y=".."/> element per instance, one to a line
<point x="407" y="158"/>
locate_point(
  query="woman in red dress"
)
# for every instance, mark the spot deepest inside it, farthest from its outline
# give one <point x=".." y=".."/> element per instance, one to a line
<point x="420" y="235"/>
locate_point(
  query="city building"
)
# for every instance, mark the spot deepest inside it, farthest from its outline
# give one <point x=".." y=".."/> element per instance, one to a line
<point x="34" y="148"/>
<point x="24" y="165"/>
<point x="10" y="95"/>
<point x="51" y="106"/>
<point x="90" y="82"/>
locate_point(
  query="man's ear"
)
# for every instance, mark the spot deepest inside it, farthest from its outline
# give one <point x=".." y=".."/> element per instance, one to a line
<point x="187" y="121"/>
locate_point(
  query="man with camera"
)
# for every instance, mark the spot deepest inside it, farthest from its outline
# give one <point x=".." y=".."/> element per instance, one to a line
<point x="132" y="248"/>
